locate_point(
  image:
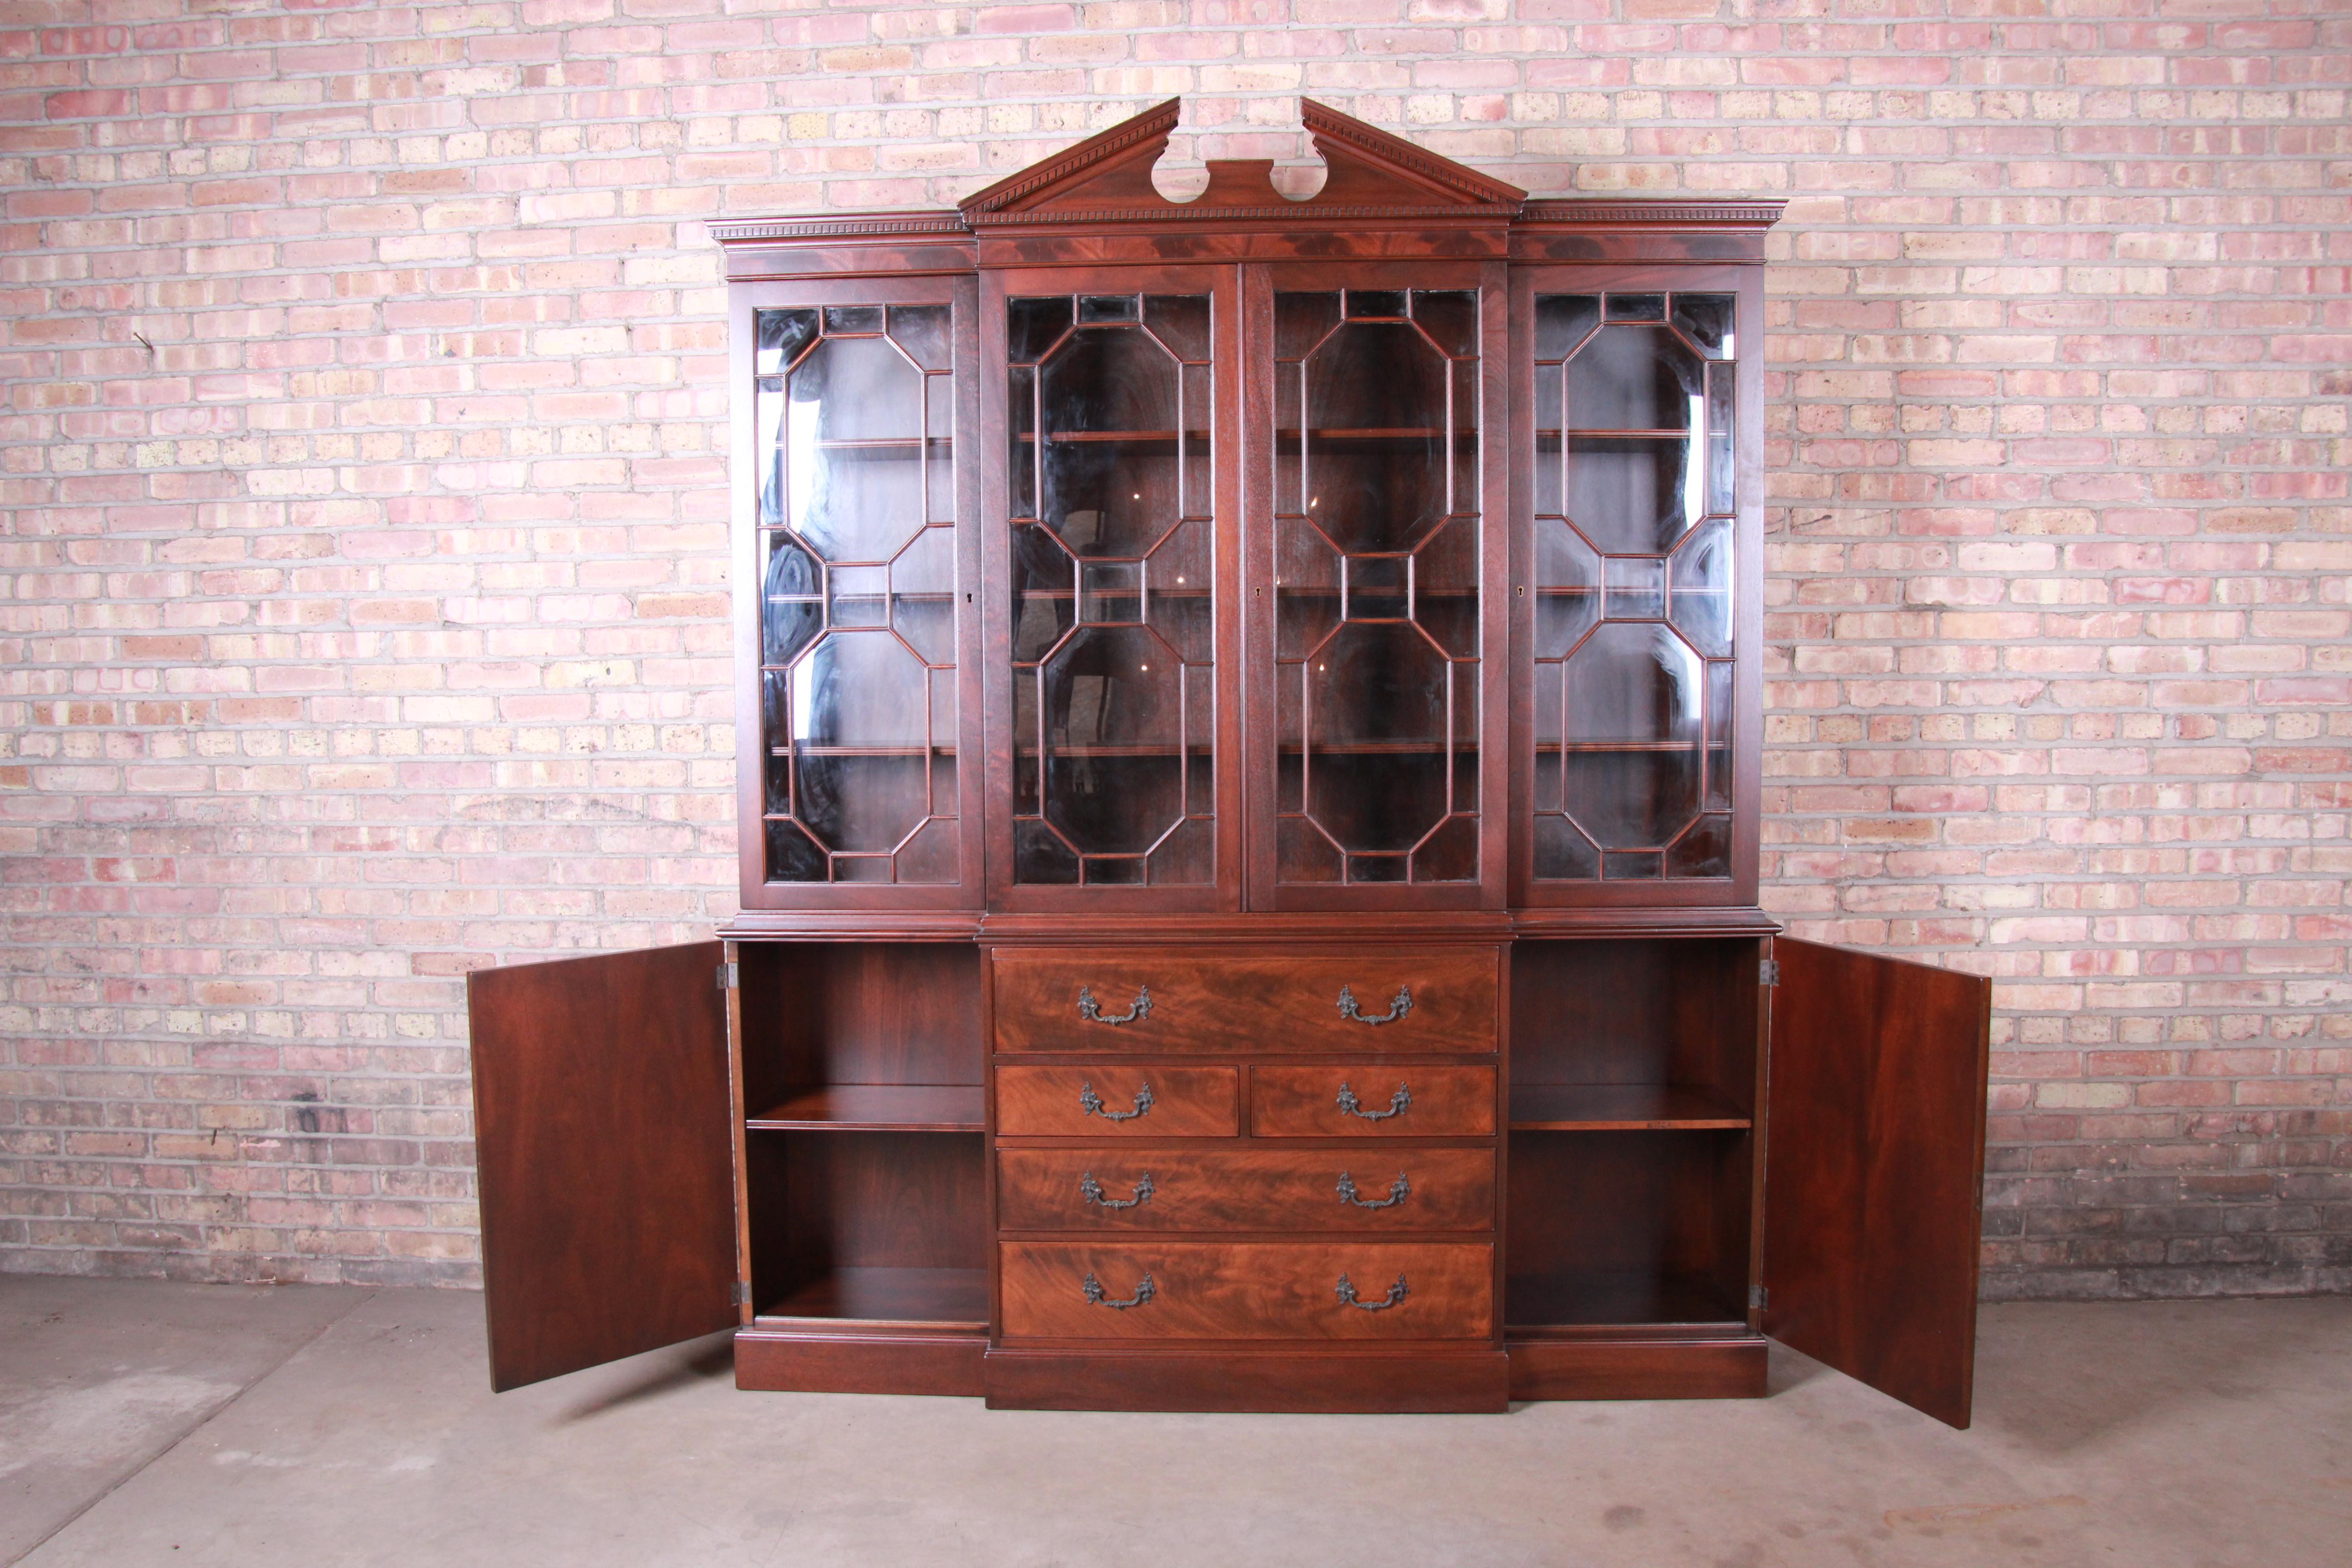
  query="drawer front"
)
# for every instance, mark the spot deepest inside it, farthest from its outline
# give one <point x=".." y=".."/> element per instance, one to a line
<point x="1289" y="1189"/>
<point x="1401" y="999"/>
<point x="1244" y="1291"/>
<point x="1386" y="1101"/>
<point x="1122" y="1099"/>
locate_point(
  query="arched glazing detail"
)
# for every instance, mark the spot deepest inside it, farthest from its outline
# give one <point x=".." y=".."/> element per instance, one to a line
<point x="853" y="409"/>
<point x="1376" y="503"/>
<point x="1114" y="706"/>
<point x="1634" y="501"/>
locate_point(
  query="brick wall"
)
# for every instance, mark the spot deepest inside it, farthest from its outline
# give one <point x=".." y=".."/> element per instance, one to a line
<point x="361" y="427"/>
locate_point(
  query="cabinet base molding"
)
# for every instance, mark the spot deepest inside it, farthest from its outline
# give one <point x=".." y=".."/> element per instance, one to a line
<point x="779" y="1361"/>
<point x="1284" y="1381"/>
<point x="1728" y="1368"/>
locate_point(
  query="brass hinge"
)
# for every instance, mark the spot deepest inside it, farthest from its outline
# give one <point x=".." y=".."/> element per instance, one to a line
<point x="742" y="1292"/>
<point x="1759" y="1297"/>
<point x="728" y="977"/>
<point x="1769" y="972"/>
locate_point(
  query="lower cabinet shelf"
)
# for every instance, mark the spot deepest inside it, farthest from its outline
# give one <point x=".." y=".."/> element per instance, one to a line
<point x="1594" y="1297"/>
<point x="940" y="1296"/>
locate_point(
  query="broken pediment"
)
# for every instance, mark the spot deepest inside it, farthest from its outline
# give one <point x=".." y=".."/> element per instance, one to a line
<point x="1370" y="174"/>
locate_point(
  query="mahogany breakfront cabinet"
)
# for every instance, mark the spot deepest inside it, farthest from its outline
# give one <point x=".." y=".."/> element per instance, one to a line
<point x="1249" y="718"/>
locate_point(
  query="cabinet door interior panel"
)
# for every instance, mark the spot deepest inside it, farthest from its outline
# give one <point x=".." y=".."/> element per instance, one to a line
<point x="600" y="1116"/>
<point x="1874" y="1179"/>
<point x="1118" y="1100"/>
<point x="1248" y="1290"/>
<point x="1352" y="1189"/>
<point x="1180" y="1000"/>
<point x="1364" y="1101"/>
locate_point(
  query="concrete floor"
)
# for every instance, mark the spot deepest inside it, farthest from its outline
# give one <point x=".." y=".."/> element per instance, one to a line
<point x="149" y="1423"/>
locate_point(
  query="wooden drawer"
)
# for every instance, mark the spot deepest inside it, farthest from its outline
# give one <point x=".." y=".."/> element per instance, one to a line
<point x="1248" y="1290"/>
<point x="1390" y="1101"/>
<point x="1123" y="1099"/>
<point x="1204" y="1000"/>
<point x="1287" y="1189"/>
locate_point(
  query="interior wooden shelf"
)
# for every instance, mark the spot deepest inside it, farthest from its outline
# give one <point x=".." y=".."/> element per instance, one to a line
<point x="1198" y="749"/>
<point x="1612" y="434"/>
<point x="1400" y="433"/>
<point x="1059" y="437"/>
<point x="1381" y="749"/>
<point x="875" y="1107"/>
<point x="956" y="1297"/>
<point x="1586" y="1297"/>
<point x="861" y="751"/>
<point x="1620" y="1106"/>
<point x="1545" y="748"/>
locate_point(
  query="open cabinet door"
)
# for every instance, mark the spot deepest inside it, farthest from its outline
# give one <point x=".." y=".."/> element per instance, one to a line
<point x="1874" y="1170"/>
<point x="600" y="1125"/>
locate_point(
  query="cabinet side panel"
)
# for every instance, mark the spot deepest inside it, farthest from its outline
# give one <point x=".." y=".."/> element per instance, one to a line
<point x="1874" y="1170"/>
<point x="600" y="1113"/>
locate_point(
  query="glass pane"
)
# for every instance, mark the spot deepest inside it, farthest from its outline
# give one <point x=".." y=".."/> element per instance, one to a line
<point x="1033" y="326"/>
<point x="1562" y="321"/>
<point x="793" y="611"/>
<point x="1718" y="737"/>
<point x="1705" y="319"/>
<point x="1631" y="494"/>
<point x="1562" y="854"/>
<point x="1112" y="624"/>
<point x="1702" y="588"/>
<point x="1704" y="851"/>
<point x="782" y="335"/>
<point x="859" y="595"/>
<point x="1107" y="432"/>
<point x="1180" y="323"/>
<point x="853" y="438"/>
<point x="1636" y="588"/>
<point x="922" y="595"/>
<point x="1637" y="307"/>
<point x="1720" y="472"/>
<point x="1635" y="378"/>
<point x="1567" y="588"/>
<point x="1376" y="436"/>
<point x="1376" y="495"/>
<point x="1631" y="759"/>
<point x="1377" y="700"/>
<point x="1450" y="317"/>
<point x="922" y="331"/>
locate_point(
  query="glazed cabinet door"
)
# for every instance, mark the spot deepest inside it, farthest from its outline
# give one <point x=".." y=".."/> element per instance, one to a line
<point x="1114" y="780"/>
<point x="1638" y="431"/>
<point x="1873" y="1175"/>
<point x="1376" y="585"/>
<point x="605" y="1149"/>
<point x="857" y="571"/>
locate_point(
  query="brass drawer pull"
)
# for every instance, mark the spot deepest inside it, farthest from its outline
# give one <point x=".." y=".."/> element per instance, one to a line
<point x="1091" y="1010"/>
<point x="1399" y="1103"/>
<point x="1092" y="1103"/>
<point x="1090" y="1191"/>
<point x="1398" y="1190"/>
<point x="1346" y="1294"/>
<point x="1144" y="1291"/>
<point x="1398" y="1008"/>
